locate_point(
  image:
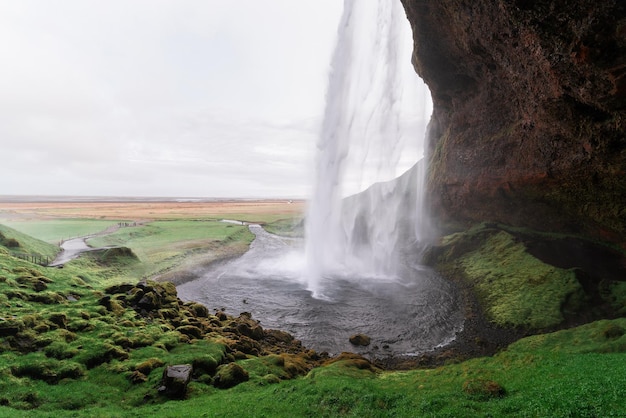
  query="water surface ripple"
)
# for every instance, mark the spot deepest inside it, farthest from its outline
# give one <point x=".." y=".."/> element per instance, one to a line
<point x="403" y="316"/>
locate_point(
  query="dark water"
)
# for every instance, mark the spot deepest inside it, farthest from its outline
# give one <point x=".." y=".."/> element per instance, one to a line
<point x="404" y="316"/>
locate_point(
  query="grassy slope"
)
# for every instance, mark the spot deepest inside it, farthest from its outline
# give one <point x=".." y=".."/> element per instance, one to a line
<point x="162" y="245"/>
<point x="55" y="230"/>
<point x="515" y="288"/>
<point x="28" y="244"/>
<point x="577" y="372"/>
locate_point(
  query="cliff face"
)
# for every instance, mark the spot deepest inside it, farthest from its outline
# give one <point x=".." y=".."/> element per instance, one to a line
<point x="529" y="121"/>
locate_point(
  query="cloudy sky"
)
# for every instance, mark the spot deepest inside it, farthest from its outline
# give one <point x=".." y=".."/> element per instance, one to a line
<point x="206" y="98"/>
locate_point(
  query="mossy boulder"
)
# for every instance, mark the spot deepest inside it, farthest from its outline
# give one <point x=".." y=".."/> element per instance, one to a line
<point x="10" y="327"/>
<point x="145" y="367"/>
<point x="118" y="255"/>
<point x="230" y="375"/>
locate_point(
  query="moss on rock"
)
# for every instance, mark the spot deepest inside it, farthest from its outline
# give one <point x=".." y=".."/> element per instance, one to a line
<point x="515" y="288"/>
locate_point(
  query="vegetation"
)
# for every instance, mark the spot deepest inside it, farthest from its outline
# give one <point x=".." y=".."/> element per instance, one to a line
<point x="18" y="242"/>
<point x="514" y="287"/>
<point x="80" y="341"/>
<point x="290" y="227"/>
<point x="164" y="245"/>
<point x="517" y="289"/>
<point x="56" y="230"/>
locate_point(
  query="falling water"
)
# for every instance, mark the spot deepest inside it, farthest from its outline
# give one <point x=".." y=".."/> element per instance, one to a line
<point x="360" y="274"/>
<point x="374" y="126"/>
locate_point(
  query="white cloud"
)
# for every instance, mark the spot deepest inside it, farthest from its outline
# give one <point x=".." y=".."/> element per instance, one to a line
<point x="145" y="97"/>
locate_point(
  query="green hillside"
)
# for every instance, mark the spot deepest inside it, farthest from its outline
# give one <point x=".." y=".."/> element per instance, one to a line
<point x="17" y="242"/>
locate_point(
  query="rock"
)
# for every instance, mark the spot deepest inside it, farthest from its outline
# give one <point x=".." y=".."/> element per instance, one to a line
<point x="198" y="309"/>
<point x="148" y="302"/>
<point x="191" y="331"/>
<point x="58" y="319"/>
<point x="528" y="112"/>
<point x="10" y="327"/>
<point x="275" y="335"/>
<point x="230" y="375"/>
<point x="137" y="377"/>
<point x="175" y="380"/>
<point x="253" y="331"/>
<point x="360" y="340"/>
<point x="119" y="288"/>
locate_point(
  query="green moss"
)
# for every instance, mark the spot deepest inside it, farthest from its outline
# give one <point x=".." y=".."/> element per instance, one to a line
<point x="60" y="350"/>
<point x="617" y="297"/>
<point x="145" y="367"/>
<point x="515" y="288"/>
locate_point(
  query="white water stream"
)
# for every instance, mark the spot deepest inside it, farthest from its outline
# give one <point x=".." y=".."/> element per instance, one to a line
<point x="360" y="272"/>
<point x="374" y="127"/>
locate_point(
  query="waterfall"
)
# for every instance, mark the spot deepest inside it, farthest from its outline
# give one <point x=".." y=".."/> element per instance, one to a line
<point x="373" y="130"/>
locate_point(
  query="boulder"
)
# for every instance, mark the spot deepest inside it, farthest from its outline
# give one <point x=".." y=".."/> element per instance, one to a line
<point x="230" y="375"/>
<point x="360" y="340"/>
<point x="175" y="380"/>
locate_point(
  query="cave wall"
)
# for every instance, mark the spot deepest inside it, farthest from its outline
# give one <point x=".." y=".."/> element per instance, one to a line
<point x="529" y="120"/>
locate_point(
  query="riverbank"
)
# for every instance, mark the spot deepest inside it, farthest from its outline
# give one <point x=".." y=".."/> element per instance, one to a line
<point x="72" y="341"/>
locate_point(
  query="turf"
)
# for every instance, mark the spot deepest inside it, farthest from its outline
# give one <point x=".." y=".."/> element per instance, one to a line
<point x="165" y="245"/>
<point x="56" y="230"/>
<point x="64" y="353"/>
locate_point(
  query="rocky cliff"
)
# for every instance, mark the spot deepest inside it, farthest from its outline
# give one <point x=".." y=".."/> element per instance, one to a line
<point x="529" y="121"/>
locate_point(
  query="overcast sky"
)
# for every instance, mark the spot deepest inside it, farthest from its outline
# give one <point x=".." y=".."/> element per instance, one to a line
<point x="205" y="98"/>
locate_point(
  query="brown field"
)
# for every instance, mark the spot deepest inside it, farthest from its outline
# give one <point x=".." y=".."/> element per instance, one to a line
<point x="249" y="210"/>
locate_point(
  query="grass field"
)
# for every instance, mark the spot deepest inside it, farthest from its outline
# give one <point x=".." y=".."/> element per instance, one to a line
<point x="164" y="245"/>
<point x="56" y="230"/>
<point x="68" y="348"/>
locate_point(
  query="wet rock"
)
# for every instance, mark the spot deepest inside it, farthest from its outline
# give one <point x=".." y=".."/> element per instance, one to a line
<point x="563" y="63"/>
<point x="253" y="331"/>
<point x="278" y="336"/>
<point x="230" y="375"/>
<point x="175" y="380"/>
<point x="360" y="340"/>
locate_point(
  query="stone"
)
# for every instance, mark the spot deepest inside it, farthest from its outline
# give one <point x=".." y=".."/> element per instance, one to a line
<point x="230" y="375"/>
<point x="10" y="327"/>
<point x="175" y="380"/>
<point x="528" y="112"/>
<point x="360" y="340"/>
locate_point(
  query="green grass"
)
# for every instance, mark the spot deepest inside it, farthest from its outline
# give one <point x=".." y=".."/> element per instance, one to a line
<point x="74" y="357"/>
<point x="290" y="227"/>
<point x="163" y="245"/>
<point x="517" y="289"/>
<point x="27" y="243"/>
<point x="56" y="230"/>
<point x="579" y="372"/>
